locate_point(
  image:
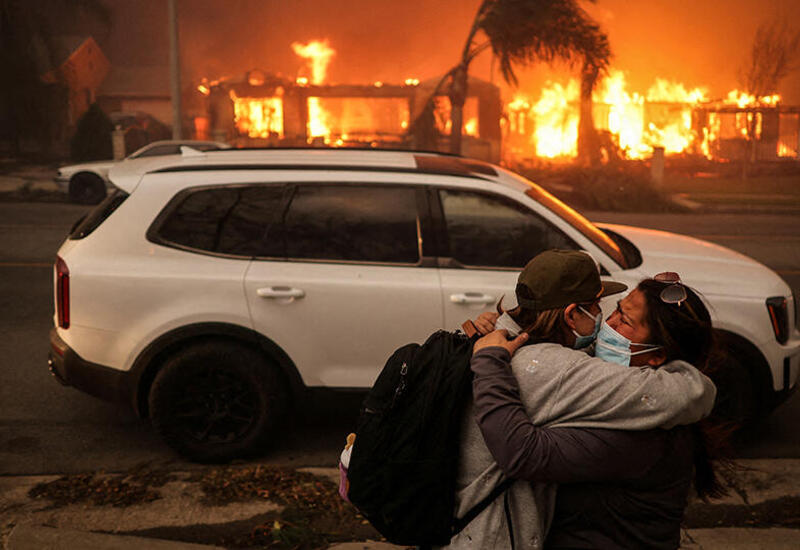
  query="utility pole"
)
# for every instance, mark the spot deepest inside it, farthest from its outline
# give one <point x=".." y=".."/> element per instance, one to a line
<point x="175" y="69"/>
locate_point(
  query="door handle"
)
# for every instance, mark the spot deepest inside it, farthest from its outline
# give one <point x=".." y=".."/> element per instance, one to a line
<point x="280" y="292"/>
<point x="471" y="298"/>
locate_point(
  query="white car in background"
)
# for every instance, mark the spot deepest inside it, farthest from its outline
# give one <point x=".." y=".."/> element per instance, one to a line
<point x="86" y="182"/>
<point x="212" y="290"/>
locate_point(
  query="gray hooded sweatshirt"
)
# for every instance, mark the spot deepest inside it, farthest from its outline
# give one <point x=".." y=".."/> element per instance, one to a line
<point x="566" y="387"/>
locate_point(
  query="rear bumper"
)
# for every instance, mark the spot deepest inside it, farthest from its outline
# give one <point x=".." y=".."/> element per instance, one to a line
<point x="70" y="369"/>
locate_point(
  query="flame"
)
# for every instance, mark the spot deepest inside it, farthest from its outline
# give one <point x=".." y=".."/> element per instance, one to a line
<point x="471" y="127"/>
<point x="660" y="118"/>
<point x="664" y="90"/>
<point x="319" y="54"/>
<point x="785" y="150"/>
<point x="674" y="129"/>
<point x="625" y="115"/>
<point x="743" y="99"/>
<point x="259" y="117"/>
<point x="556" y="121"/>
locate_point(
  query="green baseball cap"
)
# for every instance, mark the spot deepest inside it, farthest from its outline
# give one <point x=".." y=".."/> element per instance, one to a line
<point x="556" y="278"/>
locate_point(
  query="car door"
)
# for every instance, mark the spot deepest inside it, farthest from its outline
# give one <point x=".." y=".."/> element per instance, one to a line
<point x="487" y="239"/>
<point x="346" y="283"/>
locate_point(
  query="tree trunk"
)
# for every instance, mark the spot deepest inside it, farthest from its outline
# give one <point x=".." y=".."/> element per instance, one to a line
<point x="588" y="142"/>
<point x="751" y="145"/>
<point x="458" y="96"/>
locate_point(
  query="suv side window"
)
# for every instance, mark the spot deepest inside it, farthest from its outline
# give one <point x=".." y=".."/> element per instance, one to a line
<point x="228" y="220"/>
<point x="487" y="230"/>
<point x="359" y="223"/>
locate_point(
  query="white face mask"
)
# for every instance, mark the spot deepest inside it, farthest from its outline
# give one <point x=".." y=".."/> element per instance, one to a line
<point x="583" y="340"/>
<point x="510" y="325"/>
<point x="615" y="348"/>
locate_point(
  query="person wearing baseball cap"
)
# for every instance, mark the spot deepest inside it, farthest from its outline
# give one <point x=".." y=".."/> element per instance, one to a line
<point x="542" y="378"/>
<point x="558" y="296"/>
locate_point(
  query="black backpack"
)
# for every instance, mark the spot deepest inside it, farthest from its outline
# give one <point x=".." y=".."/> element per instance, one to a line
<point x="404" y="463"/>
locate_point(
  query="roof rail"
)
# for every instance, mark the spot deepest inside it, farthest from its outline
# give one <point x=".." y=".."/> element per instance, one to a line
<point x="191" y="152"/>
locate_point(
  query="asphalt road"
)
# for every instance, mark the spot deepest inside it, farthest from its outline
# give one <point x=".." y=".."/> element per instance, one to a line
<point x="47" y="428"/>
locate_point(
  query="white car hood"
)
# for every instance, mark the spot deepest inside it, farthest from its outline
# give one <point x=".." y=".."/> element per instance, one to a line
<point x="710" y="268"/>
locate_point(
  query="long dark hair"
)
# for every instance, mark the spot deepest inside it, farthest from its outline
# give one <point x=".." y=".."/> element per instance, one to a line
<point x="546" y="325"/>
<point x="684" y="331"/>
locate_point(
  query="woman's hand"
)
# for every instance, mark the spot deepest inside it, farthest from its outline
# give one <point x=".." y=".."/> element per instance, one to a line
<point x="500" y="338"/>
<point x="486" y="321"/>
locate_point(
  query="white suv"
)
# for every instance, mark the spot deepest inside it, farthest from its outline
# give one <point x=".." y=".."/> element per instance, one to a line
<point x="212" y="290"/>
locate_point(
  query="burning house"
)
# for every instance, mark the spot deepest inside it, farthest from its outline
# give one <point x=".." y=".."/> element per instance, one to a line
<point x="669" y="116"/>
<point x="267" y="110"/>
<point x="261" y="109"/>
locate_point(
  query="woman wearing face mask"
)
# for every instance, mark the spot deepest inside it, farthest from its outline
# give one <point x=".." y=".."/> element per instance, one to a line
<point x="617" y="489"/>
<point x="559" y="385"/>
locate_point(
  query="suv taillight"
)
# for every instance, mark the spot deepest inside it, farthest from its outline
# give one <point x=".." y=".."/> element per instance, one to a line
<point x="62" y="292"/>
<point x="779" y="317"/>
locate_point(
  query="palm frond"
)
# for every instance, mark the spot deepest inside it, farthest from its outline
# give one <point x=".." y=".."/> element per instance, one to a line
<point x="526" y="31"/>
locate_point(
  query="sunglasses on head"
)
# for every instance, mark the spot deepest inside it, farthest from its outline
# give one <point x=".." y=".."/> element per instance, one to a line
<point x="674" y="292"/>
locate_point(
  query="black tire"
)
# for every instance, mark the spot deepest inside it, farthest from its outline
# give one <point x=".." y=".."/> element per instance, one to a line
<point x="736" y="392"/>
<point x="86" y="188"/>
<point x="216" y="401"/>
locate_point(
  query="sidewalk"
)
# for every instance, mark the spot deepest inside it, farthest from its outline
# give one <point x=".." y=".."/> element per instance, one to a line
<point x="30" y="179"/>
<point x="767" y="493"/>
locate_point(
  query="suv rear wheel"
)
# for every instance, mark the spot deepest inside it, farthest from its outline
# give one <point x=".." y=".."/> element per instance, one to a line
<point x="215" y="401"/>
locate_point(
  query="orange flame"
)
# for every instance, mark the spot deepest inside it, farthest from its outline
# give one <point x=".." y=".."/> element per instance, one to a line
<point x="259" y="117"/>
<point x="638" y="123"/>
<point x="556" y="121"/>
<point x="319" y="54"/>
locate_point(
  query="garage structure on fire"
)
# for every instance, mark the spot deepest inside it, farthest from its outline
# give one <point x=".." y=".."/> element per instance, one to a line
<point x="260" y="109"/>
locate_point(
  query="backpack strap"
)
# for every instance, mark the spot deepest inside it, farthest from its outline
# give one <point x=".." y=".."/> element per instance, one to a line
<point x="460" y="523"/>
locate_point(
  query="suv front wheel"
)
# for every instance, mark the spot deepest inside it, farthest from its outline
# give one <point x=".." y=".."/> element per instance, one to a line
<point x="215" y="401"/>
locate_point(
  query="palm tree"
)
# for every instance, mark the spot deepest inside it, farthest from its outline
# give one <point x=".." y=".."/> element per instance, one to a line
<point x="588" y="141"/>
<point x="521" y="32"/>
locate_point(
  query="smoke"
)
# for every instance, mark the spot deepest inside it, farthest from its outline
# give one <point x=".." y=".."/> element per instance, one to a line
<point x="699" y="43"/>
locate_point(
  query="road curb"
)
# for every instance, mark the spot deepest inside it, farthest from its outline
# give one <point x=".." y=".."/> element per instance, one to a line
<point x="36" y="525"/>
<point x="38" y="537"/>
<point x="777" y="538"/>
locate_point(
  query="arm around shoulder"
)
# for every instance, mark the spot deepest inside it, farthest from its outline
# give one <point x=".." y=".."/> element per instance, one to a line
<point x="596" y="393"/>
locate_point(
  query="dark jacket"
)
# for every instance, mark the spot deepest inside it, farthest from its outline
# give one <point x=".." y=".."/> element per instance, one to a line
<point x="618" y="489"/>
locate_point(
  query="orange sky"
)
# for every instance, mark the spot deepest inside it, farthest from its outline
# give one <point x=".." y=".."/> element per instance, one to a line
<point x="697" y="42"/>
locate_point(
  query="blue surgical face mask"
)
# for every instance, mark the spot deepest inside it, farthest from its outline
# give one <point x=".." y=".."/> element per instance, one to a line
<point x="583" y="340"/>
<point x="615" y="348"/>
